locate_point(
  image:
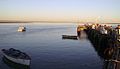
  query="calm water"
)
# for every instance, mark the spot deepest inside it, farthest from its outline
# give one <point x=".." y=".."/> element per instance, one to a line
<point x="44" y="43"/>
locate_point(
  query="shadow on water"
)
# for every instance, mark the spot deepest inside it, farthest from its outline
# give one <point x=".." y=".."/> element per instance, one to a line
<point x="14" y="65"/>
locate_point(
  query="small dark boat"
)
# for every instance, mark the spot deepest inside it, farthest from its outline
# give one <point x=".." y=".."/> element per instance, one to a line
<point x="16" y="56"/>
<point x="69" y="37"/>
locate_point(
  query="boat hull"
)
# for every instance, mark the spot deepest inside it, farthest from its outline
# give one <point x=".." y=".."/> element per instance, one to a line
<point x="21" y="30"/>
<point x="14" y="65"/>
<point x="69" y="37"/>
<point x="19" y="61"/>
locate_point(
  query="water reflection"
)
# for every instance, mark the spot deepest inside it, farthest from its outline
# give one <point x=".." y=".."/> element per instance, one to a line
<point x="48" y="50"/>
<point x="14" y="65"/>
<point x="83" y="35"/>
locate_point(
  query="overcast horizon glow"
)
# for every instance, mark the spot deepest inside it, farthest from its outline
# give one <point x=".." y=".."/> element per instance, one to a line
<point x="61" y="10"/>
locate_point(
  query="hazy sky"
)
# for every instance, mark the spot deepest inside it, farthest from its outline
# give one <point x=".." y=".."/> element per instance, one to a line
<point x="61" y="10"/>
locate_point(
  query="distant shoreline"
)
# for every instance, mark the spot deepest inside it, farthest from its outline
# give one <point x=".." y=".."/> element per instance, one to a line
<point x="1" y="22"/>
<point x="36" y="22"/>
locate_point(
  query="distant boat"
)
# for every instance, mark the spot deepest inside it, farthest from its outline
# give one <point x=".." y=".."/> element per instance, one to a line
<point x="21" y="29"/>
<point x="16" y="56"/>
<point x="69" y="37"/>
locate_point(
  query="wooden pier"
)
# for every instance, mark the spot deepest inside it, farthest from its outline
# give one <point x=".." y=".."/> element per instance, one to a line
<point x="106" y="43"/>
<point x="113" y="63"/>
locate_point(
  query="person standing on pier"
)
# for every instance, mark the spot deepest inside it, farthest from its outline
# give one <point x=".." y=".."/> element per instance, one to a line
<point x="117" y="29"/>
<point x="78" y="31"/>
<point x="103" y="30"/>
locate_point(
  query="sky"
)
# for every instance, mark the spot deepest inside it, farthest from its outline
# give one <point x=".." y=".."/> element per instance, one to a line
<point x="61" y="10"/>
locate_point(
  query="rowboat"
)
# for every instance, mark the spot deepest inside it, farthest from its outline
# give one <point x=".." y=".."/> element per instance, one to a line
<point x="16" y="56"/>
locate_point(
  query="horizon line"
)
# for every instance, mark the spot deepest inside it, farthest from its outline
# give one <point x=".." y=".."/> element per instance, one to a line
<point x="20" y="21"/>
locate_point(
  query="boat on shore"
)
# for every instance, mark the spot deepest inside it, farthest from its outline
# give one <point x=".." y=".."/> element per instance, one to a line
<point x="21" y="29"/>
<point x="16" y="56"/>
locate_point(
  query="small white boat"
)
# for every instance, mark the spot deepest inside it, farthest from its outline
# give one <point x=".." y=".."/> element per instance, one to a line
<point x="21" y="29"/>
<point x="16" y="56"/>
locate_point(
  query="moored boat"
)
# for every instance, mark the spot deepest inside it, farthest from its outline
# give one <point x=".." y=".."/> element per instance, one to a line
<point x="13" y="65"/>
<point x="69" y="37"/>
<point x="16" y="56"/>
<point x="21" y="29"/>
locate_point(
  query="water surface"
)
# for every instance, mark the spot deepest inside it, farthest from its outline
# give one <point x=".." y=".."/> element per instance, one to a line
<point x="44" y="43"/>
